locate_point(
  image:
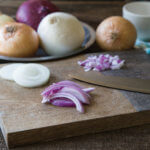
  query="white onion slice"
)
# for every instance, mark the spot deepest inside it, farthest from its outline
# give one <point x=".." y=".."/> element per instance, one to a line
<point x="6" y="72"/>
<point x="31" y="75"/>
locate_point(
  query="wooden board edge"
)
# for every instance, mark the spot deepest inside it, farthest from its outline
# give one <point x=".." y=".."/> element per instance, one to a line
<point x="75" y="129"/>
<point x="4" y="132"/>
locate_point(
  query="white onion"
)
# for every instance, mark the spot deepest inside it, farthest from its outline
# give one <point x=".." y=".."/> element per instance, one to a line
<point x="31" y="75"/>
<point x="60" y="33"/>
<point x="6" y="72"/>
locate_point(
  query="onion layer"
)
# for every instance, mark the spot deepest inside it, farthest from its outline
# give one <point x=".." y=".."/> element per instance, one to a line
<point x="73" y="98"/>
<point x="67" y="94"/>
<point x="6" y="72"/>
<point x="31" y="75"/>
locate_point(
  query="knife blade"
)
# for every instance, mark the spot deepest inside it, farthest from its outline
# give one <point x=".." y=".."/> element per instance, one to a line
<point x="116" y="82"/>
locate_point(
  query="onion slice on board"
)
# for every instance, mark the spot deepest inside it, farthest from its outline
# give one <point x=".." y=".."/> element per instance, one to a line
<point x="31" y="75"/>
<point x="63" y="102"/>
<point x="71" y="97"/>
<point x="6" y="72"/>
<point x="79" y="93"/>
<point x="66" y="94"/>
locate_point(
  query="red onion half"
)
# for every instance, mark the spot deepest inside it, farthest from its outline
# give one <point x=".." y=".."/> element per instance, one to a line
<point x="31" y="12"/>
<point x="67" y="94"/>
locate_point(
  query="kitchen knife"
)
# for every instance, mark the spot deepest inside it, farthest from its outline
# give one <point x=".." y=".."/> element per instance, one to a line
<point x="116" y="82"/>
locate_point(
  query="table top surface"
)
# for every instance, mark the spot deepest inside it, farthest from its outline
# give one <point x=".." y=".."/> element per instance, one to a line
<point x="92" y="12"/>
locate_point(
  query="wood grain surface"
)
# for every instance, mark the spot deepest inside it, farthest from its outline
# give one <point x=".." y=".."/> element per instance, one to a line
<point x="23" y="116"/>
<point x="91" y="12"/>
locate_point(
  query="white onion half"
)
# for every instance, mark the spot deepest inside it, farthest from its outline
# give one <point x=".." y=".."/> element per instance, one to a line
<point x="31" y="75"/>
<point x="6" y="72"/>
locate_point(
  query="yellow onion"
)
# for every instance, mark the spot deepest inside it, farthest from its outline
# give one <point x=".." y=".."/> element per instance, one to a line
<point x="116" y="34"/>
<point x="5" y="19"/>
<point x="18" y="40"/>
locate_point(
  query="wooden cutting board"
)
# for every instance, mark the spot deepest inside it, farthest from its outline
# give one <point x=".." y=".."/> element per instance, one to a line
<point x="24" y="120"/>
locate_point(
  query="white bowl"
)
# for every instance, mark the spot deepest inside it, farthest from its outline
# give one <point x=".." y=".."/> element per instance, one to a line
<point x="139" y="14"/>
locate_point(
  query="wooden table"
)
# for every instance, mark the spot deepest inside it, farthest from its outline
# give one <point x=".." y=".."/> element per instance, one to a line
<point x="136" y="138"/>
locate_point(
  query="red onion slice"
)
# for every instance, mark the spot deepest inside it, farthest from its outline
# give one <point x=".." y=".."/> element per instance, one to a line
<point x="52" y="89"/>
<point x="77" y="92"/>
<point x="67" y="94"/>
<point x="71" y="83"/>
<point x="78" y="104"/>
<point x="62" y="102"/>
<point x="45" y="100"/>
<point x="88" y="90"/>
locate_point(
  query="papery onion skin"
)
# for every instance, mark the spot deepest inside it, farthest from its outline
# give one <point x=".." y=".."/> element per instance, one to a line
<point x="31" y="12"/>
<point x="116" y="34"/>
<point x="18" y="40"/>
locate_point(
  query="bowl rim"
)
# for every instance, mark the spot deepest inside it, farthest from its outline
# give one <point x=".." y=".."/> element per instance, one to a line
<point x="125" y="9"/>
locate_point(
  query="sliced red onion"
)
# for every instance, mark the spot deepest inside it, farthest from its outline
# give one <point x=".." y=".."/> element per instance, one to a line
<point x="70" y="83"/>
<point x="78" y="104"/>
<point x="45" y="100"/>
<point x="101" y="63"/>
<point x="88" y="90"/>
<point x="55" y="87"/>
<point x="52" y="89"/>
<point x="65" y="94"/>
<point x="77" y="92"/>
<point x="62" y="102"/>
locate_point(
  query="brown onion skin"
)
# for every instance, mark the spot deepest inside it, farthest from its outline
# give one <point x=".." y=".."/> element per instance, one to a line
<point x="18" y="40"/>
<point x="116" y="34"/>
